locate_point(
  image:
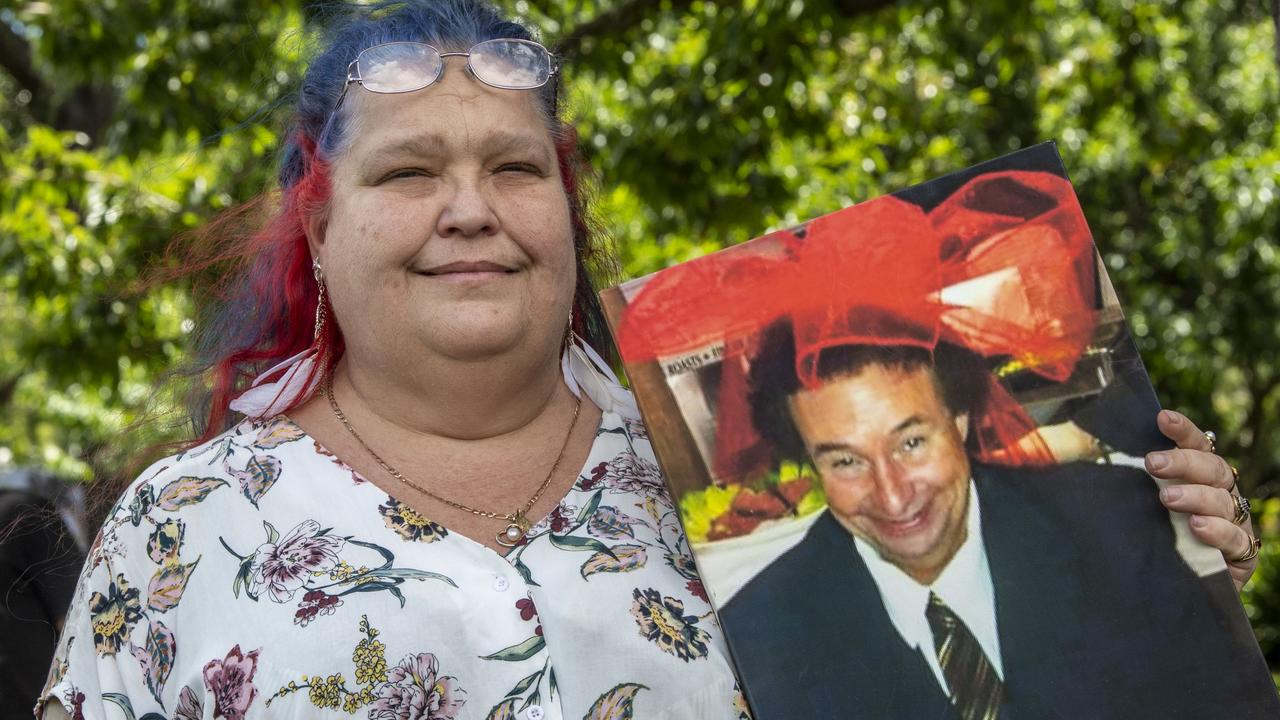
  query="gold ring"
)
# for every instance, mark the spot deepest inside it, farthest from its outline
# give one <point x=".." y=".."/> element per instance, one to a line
<point x="1252" y="552"/>
<point x="1212" y="437"/>
<point x="1242" y="509"/>
<point x="1235" y="480"/>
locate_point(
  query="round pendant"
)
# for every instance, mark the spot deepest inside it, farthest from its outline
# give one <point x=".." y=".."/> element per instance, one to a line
<point x="511" y="536"/>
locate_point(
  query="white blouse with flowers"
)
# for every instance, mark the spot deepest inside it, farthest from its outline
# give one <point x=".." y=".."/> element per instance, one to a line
<point x="257" y="576"/>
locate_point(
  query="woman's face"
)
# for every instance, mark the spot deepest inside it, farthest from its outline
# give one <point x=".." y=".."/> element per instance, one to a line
<point x="448" y="230"/>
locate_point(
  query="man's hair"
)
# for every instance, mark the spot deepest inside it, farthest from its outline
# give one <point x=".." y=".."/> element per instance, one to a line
<point x="957" y="375"/>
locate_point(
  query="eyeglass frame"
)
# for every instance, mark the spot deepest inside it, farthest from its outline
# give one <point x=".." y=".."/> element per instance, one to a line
<point x="553" y="68"/>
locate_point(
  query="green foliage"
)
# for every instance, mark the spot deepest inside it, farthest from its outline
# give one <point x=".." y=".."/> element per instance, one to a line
<point x="1262" y="596"/>
<point x="709" y="123"/>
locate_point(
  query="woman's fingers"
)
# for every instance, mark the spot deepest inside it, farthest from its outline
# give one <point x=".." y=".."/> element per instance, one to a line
<point x="1199" y="500"/>
<point x="1232" y="540"/>
<point x="1206" y="493"/>
<point x="1191" y="466"/>
<point x="1184" y="433"/>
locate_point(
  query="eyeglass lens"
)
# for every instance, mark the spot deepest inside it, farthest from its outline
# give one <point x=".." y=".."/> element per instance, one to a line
<point x="399" y="67"/>
<point x="405" y="66"/>
<point x="510" y="63"/>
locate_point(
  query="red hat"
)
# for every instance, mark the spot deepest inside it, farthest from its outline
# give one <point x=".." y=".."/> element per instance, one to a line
<point x="1003" y="267"/>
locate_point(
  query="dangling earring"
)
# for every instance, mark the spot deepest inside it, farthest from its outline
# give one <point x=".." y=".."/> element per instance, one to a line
<point x="585" y="371"/>
<point x="267" y="398"/>
<point x="318" y="272"/>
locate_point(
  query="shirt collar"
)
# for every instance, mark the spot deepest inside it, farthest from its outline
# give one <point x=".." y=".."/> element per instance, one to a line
<point x="965" y="586"/>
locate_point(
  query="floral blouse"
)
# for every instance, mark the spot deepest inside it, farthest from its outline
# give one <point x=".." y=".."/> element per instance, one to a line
<point x="257" y="576"/>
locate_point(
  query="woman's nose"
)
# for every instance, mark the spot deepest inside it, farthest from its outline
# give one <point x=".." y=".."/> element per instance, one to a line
<point x="467" y="213"/>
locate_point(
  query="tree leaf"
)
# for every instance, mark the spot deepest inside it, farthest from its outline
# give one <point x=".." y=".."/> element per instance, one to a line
<point x="623" y="558"/>
<point x="590" y="508"/>
<point x="519" y="651"/>
<point x="167" y="585"/>
<point x="387" y="556"/>
<point x="579" y="544"/>
<point x="525" y="573"/>
<point x="259" y="474"/>
<point x="615" y="704"/>
<point x="156" y="658"/>
<point x="524" y="683"/>
<point x="278" y="432"/>
<point x="505" y="710"/>
<point x="410" y="574"/>
<point x="609" y="522"/>
<point x="651" y="507"/>
<point x="187" y="490"/>
<point x="121" y="701"/>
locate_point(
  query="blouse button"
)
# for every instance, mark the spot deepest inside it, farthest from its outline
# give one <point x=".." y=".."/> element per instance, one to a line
<point x="534" y="712"/>
<point x="501" y="584"/>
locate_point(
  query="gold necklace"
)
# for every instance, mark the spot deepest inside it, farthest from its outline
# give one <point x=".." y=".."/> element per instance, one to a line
<point x="518" y="522"/>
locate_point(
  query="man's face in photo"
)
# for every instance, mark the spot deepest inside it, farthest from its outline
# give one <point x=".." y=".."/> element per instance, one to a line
<point x="892" y="461"/>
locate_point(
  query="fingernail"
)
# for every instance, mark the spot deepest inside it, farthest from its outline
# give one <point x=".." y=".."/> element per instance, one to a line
<point x="1170" y="494"/>
<point x="1197" y="521"/>
<point x="1173" y="417"/>
<point x="1157" y="461"/>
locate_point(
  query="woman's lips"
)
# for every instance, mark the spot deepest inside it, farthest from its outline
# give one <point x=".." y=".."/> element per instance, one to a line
<point x="467" y="271"/>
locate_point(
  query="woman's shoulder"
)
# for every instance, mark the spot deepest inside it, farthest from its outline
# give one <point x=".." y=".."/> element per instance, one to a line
<point x="264" y="441"/>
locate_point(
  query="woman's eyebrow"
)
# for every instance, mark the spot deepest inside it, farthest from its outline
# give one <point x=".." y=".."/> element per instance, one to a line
<point x="414" y="145"/>
<point x="495" y="143"/>
<point x="505" y="141"/>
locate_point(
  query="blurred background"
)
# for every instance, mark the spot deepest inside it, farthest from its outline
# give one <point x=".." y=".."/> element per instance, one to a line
<point x="126" y="122"/>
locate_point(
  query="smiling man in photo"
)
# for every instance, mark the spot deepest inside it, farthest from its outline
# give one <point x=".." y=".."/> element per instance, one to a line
<point x="935" y="586"/>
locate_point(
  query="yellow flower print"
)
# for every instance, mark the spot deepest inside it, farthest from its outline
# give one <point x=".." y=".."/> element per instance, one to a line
<point x="326" y="692"/>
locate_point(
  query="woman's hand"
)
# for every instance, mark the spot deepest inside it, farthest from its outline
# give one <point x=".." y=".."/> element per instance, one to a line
<point x="1206" y="491"/>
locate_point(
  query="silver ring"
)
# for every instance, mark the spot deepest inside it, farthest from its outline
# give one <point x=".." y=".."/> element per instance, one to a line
<point x="1242" y="509"/>
<point x="1212" y="437"/>
<point x="1252" y="552"/>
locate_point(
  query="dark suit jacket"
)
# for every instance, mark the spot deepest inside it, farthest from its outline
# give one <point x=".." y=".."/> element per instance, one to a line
<point x="1098" y="616"/>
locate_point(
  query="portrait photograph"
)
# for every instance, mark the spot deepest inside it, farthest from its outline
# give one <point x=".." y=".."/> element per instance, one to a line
<point x="906" y="441"/>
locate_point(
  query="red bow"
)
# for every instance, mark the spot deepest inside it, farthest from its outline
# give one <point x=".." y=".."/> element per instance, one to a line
<point x="1003" y="267"/>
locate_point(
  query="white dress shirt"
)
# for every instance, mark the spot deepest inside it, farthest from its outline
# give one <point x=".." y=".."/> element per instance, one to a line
<point x="964" y="585"/>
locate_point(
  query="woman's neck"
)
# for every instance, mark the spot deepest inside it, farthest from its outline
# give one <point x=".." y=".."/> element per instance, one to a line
<point x="455" y="399"/>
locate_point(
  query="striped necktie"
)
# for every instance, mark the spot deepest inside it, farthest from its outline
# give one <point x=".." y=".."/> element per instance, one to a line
<point x="976" y="689"/>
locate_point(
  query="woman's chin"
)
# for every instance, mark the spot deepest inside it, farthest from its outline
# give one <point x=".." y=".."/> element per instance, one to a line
<point x="478" y="340"/>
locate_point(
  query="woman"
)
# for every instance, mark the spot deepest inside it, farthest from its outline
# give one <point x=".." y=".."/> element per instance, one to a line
<point x="362" y="542"/>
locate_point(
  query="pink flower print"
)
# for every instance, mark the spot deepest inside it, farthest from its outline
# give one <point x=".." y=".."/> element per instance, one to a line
<point x="560" y="518"/>
<point x="189" y="707"/>
<point x="413" y="692"/>
<point x="597" y="474"/>
<point x="528" y="612"/>
<point x="282" y="568"/>
<point x="632" y="474"/>
<point x="315" y="602"/>
<point x="526" y="608"/>
<point x="696" y="588"/>
<point x="230" y="680"/>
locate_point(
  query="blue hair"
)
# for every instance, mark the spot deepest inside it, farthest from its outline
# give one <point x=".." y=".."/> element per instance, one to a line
<point x="449" y="25"/>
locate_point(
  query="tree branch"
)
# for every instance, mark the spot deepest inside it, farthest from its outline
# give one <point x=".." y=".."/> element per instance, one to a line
<point x="852" y="8"/>
<point x="614" y="22"/>
<point x="630" y="14"/>
<point x="1258" y="451"/>
<point x="1275" y="17"/>
<point x="15" y="57"/>
<point x="87" y="108"/>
